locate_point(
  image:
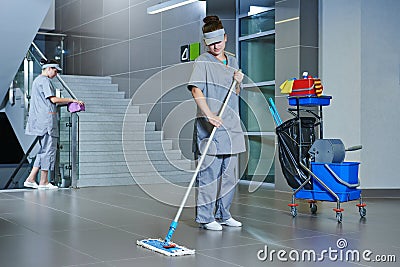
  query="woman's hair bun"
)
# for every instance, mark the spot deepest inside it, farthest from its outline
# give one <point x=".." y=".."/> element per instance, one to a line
<point x="212" y="23"/>
<point x="49" y="61"/>
<point x="209" y="19"/>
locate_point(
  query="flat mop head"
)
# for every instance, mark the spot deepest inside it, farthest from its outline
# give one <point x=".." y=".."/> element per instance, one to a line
<point x="170" y="249"/>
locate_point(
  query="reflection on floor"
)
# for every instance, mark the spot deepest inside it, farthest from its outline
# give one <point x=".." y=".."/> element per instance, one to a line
<point x="99" y="227"/>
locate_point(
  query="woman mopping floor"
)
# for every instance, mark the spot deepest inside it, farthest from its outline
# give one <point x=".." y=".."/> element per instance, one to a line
<point x="218" y="138"/>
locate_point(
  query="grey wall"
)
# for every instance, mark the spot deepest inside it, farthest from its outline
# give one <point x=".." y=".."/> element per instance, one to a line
<point x="119" y="39"/>
<point x="49" y="22"/>
<point x="360" y="69"/>
<point x="296" y="50"/>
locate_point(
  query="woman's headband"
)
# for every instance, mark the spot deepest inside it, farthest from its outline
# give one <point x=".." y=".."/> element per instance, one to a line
<point x="214" y="36"/>
<point x="53" y="65"/>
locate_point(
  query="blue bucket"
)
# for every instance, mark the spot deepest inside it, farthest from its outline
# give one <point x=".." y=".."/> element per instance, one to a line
<point x="347" y="171"/>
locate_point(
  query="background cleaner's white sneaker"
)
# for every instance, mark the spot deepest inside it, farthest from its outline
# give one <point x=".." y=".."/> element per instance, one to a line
<point x="47" y="186"/>
<point x="33" y="185"/>
<point x="232" y="222"/>
<point x="214" y="226"/>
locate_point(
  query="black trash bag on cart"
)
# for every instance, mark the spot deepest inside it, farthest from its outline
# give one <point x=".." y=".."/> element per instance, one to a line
<point x="288" y="133"/>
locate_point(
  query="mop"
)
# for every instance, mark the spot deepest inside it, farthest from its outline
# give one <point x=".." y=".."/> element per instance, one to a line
<point x="166" y="246"/>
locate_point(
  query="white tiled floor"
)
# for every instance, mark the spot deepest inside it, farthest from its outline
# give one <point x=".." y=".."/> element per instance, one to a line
<point x="99" y="226"/>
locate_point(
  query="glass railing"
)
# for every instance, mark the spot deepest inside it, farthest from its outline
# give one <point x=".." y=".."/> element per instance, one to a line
<point x="67" y="162"/>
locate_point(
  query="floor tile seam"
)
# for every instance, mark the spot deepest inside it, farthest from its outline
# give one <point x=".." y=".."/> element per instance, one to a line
<point x="279" y="244"/>
<point x="242" y="195"/>
<point x="308" y="214"/>
<point x="119" y="207"/>
<point x="60" y="231"/>
<point x="181" y="220"/>
<point x="91" y="220"/>
<point x="83" y="264"/>
<point x="230" y="247"/>
<point x="168" y="193"/>
<point x="16" y="235"/>
<point x="155" y="256"/>
<point x="51" y="239"/>
<point x="94" y="228"/>
<point x="132" y="196"/>
<point x="277" y="224"/>
<point x="72" y="248"/>
<point x="260" y="207"/>
<point x="81" y="217"/>
<point x="267" y="198"/>
<point x="20" y="225"/>
<point x="286" y="200"/>
<point x="277" y="210"/>
<point x="8" y="199"/>
<point x="219" y="260"/>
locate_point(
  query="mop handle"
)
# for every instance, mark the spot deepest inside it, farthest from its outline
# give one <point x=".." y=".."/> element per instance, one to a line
<point x="174" y="223"/>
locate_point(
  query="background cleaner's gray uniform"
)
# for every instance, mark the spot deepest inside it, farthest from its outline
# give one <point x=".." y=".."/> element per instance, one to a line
<point x="216" y="179"/>
<point x="42" y="122"/>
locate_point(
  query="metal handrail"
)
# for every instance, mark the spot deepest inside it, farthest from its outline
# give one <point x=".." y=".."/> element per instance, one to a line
<point x="58" y="76"/>
<point x="12" y="176"/>
<point x="52" y="34"/>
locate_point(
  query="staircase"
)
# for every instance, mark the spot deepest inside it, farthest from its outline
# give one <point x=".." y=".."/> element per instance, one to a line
<point x="103" y="156"/>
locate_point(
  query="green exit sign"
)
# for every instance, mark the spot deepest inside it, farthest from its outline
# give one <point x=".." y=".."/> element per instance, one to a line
<point x="190" y="52"/>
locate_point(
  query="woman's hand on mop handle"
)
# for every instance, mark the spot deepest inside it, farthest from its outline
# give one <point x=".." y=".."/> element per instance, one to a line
<point x="214" y="120"/>
<point x="238" y="76"/>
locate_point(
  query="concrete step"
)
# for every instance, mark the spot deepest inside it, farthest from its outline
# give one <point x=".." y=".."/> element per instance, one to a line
<point x="116" y="126"/>
<point x="105" y="102"/>
<point x="127" y="178"/>
<point x="85" y="79"/>
<point x="114" y="136"/>
<point x="103" y="156"/>
<point x="128" y="145"/>
<point x="95" y="117"/>
<point x="83" y="95"/>
<point x="112" y="156"/>
<point x="162" y="177"/>
<point x="95" y="89"/>
<point x="135" y="167"/>
<point x="114" y="109"/>
<point x="109" y="180"/>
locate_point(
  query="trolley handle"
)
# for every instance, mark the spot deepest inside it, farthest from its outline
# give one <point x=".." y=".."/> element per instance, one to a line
<point x="340" y="180"/>
<point x="354" y="148"/>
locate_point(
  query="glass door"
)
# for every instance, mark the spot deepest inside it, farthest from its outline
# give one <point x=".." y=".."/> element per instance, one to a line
<point x="256" y="54"/>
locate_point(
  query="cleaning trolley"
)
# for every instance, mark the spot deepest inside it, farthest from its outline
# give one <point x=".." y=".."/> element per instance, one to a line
<point x="314" y="167"/>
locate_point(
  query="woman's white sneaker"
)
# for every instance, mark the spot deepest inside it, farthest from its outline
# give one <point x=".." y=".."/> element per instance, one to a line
<point x="232" y="223"/>
<point x="213" y="226"/>
<point x="47" y="187"/>
<point x="33" y="185"/>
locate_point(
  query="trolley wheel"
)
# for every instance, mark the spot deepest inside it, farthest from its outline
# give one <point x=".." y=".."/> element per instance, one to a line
<point x="313" y="208"/>
<point x="363" y="212"/>
<point x="293" y="210"/>
<point x="339" y="217"/>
